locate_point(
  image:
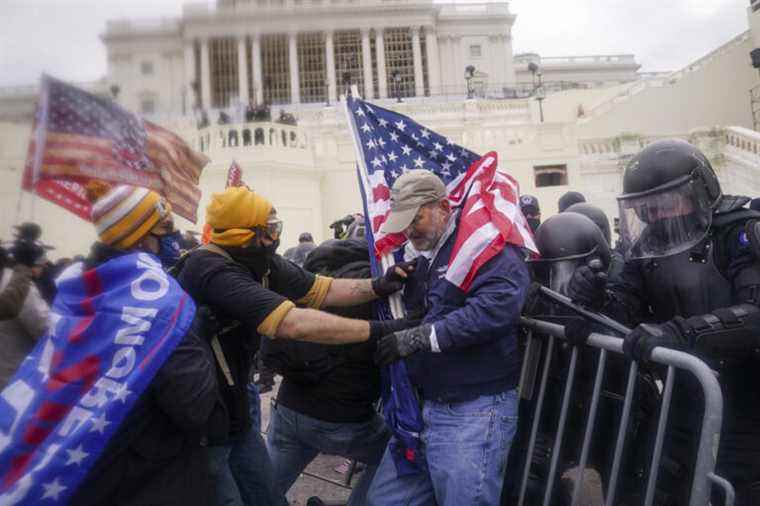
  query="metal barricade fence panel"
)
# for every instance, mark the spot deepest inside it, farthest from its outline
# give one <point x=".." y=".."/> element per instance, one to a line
<point x="704" y="467"/>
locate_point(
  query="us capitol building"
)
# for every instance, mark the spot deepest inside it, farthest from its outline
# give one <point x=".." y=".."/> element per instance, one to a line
<point x="263" y="83"/>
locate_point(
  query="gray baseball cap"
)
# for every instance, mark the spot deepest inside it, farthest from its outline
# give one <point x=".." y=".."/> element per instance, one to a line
<point x="410" y="192"/>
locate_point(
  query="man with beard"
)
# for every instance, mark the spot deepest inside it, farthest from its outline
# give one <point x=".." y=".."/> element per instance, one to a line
<point x="691" y="281"/>
<point x="248" y="291"/>
<point x="462" y="361"/>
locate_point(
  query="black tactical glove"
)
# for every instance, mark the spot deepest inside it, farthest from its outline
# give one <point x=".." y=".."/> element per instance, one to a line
<point x="380" y="328"/>
<point x="640" y="342"/>
<point x="403" y="343"/>
<point x="577" y="331"/>
<point x="393" y="281"/>
<point x="27" y="252"/>
<point x="587" y="286"/>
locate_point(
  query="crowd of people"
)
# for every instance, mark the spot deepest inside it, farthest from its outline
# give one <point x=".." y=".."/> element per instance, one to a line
<point x="683" y="274"/>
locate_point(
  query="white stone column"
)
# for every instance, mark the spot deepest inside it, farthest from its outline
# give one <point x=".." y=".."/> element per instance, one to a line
<point x="510" y="78"/>
<point x="190" y="98"/>
<point x="330" y="64"/>
<point x="419" y="83"/>
<point x="434" y="62"/>
<point x="381" y="76"/>
<point x="295" y="88"/>
<point x="367" y="64"/>
<point x="445" y="51"/>
<point x="457" y="73"/>
<point x="205" y="76"/>
<point x="258" y="82"/>
<point x="496" y="62"/>
<point x="242" y="71"/>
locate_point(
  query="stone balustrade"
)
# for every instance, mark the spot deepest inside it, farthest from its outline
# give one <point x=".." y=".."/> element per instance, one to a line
<point x="743" y="141"/>
<point x="222" y="140"/>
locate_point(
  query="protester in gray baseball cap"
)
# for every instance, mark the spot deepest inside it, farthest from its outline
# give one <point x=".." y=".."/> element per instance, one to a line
<point x="413" y="212"/>
<point x="462" y="358"/>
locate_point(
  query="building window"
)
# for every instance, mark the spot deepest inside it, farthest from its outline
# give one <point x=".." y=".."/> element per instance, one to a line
<point x="476" y="51"/>
<point x="147" y="106"/>
<point x="249" y="66"/>
<point x="197" y="85"/>
<point x="550" y="175"/>
<point x="373" y="57"/>
<point x="399" y="61"/>
<point x="312" y="75"/>
<point x="275" y="69"/>
<point x="224" y="71"/>
<point x="349" y="66"/>
<point x="146" y="68"/>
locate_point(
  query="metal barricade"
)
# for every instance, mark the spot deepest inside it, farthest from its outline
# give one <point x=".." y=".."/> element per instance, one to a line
<point x="704" y="475"/>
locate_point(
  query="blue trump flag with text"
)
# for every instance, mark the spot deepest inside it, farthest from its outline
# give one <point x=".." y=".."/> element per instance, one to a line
<point x="111" y="329"/>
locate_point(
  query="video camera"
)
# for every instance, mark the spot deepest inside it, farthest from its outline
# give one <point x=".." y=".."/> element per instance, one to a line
<point x="27" y="249"/>
<point x="339" y="226"/>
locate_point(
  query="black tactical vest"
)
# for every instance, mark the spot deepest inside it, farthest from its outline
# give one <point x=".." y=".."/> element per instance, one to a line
<point x="686" y="284"/>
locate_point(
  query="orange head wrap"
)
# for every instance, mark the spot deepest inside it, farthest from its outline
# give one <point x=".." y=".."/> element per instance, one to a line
<point x="233" y="213"/>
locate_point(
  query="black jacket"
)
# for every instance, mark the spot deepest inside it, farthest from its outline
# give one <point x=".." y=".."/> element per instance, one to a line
<point x="157" y="457"/>
<point x="345" y="393"/>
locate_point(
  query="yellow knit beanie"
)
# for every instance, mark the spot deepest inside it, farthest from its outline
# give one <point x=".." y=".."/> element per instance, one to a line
<point x="233" y="213"/>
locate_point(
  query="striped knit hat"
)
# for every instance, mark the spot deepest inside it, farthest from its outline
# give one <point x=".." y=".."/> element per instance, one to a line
<point x="125" y="214"/>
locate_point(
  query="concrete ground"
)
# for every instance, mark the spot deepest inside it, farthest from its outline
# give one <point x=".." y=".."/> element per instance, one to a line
<point x="320" y="478"/>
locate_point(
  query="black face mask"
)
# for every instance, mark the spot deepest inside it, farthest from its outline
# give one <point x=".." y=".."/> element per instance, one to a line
<point x="255" y="258"/>
<point x="533" y="223"/>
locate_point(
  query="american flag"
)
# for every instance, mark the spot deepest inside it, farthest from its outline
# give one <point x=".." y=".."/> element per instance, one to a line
<point x="79" y="136"/>
<point x="389" y="144"/>
<point x="234" y="175"/>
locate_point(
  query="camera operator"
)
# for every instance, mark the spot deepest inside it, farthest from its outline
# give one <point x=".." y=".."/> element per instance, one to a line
<point x="23" y="312"/>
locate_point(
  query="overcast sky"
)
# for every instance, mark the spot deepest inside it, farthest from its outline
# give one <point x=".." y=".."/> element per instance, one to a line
<point x="61" y="37"/>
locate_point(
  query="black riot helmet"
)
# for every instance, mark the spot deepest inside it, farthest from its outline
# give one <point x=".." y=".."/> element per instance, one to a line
<point x="669" y="193"/>
<point x="595" y="214"/>
<point x="567" y="241"/>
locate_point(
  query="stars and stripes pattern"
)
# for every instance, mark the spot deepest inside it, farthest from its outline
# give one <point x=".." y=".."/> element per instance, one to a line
<point x="80" y="136"/>
<point x="234" y="175"/>
<point x="389" y="144"/>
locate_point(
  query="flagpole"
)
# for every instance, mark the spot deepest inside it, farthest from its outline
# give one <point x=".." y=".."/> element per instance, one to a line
<point x="394" y="301"/>
<point x="40" y="137"/>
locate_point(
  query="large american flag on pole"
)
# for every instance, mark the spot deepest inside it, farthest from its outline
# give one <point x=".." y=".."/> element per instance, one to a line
<point x="389" y="144"/>
<point x="79" y="136"/>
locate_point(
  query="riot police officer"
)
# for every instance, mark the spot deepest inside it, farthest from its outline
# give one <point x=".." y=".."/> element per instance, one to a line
<point x="691" y="281"/>
<point x="567" y="241"/>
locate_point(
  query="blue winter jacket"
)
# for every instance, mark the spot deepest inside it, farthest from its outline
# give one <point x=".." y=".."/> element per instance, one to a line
<point x="476" y="331"/>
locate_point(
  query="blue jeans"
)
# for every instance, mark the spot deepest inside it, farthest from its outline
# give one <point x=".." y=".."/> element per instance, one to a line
<point x="294" y="440"/>
<point x="249" y="459"/>
<point x="225" y="489"/>
<point x="465" y="447"/>
<point x="242" y="469"/>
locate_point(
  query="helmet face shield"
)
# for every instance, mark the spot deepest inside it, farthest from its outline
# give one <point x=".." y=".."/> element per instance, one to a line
<point x="555" y="273"/>
<point x="666" y="220"/>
